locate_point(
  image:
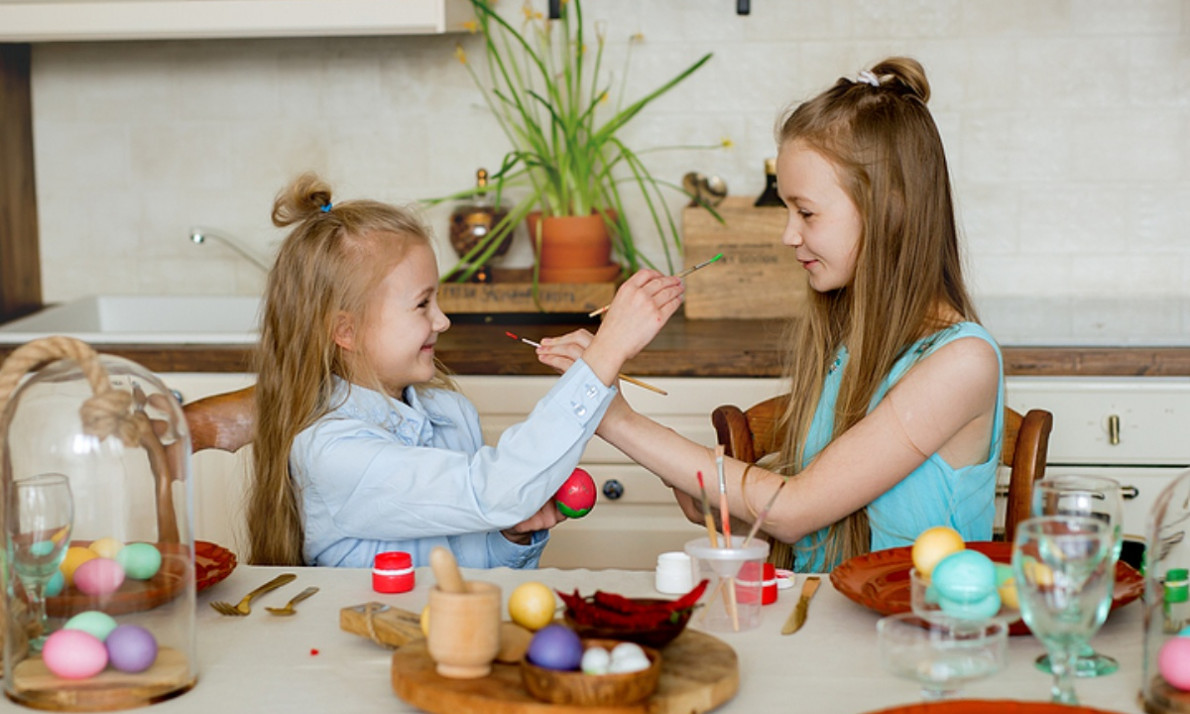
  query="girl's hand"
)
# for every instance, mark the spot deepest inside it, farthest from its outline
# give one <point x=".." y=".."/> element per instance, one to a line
<point x="561" y="352"/>
<point x="545" y="518"/>
<point x="640" y="309"/>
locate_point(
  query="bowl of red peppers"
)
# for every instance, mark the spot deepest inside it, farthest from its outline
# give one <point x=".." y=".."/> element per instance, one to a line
<point x="653" y="622"/>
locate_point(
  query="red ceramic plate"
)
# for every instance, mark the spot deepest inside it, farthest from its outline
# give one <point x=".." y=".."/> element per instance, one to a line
<point x="211" y="564"/>
<point x="988" y="706"/>
<point x="880" y="580"/>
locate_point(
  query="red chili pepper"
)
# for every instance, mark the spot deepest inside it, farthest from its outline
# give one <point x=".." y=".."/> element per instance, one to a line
<point x="688" y="600"/>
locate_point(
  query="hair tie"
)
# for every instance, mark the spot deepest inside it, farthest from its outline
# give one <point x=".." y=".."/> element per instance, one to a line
<point x="326" y="207"/>
<point x="867" y="77"/>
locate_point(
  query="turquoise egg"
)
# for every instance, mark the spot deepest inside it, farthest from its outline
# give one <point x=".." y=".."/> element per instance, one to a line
<point x="977" y="610"/>
<point x="966" y="576"/>
<point x="931" y="595"/>
<point x="56" y="584"/>
<point x="95" y="623"/>
<point x="140" y="561"/>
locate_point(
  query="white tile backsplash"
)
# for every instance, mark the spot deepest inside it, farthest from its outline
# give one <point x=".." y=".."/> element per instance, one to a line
<point x="1067" y="125"/>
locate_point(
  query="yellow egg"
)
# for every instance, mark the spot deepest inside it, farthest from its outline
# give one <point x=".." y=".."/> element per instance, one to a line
<point x="1008" y="596"/>
<point x="106" y="547"/>
<point x="76" y="555"/>
<point x="1038" y="572"/>
<point x="424" y="621"/>
<point x="532" y="605"/>
<point x="933" y="545"/>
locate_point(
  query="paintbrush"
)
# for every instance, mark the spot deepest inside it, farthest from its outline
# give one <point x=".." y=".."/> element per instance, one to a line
<point x="706" y="513"/>
<point x="764" y="513"/>
<point x="682" y="274"/>
<point x="724" y="512"/>
<point x="626" y="378"/>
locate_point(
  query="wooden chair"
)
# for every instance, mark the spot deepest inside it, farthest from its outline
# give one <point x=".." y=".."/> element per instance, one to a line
<point x="224" y="421"/>
<point x="749" y="435"/>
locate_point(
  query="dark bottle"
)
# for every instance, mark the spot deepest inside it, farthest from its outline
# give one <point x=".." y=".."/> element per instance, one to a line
<point x="470" y="223"/>
<point x="769" y="197"/>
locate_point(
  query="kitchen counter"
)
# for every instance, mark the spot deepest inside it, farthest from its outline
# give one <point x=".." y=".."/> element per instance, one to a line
<point x="712" y="348"/>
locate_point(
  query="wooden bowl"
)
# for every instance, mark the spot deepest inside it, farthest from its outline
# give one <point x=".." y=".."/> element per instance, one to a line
<point x="576" y="688"/>
<point x="656" y="637"/>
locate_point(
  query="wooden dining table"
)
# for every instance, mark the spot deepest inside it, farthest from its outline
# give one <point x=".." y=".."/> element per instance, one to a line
<point x="306" y="663"/>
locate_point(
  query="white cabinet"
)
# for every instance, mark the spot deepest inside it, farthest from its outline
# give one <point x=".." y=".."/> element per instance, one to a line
<point x="1132" y="429"/>
<point x="79" y="20"/>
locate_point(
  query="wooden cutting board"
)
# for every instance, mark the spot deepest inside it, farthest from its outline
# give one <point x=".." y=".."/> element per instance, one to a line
<point x="698" y="673"/>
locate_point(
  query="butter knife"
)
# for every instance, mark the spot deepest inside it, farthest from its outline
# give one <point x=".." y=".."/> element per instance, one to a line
<point x="798" y="617"/>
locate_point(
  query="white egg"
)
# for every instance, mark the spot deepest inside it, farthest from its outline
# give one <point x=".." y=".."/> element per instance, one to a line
<point x="628" y="663"/>
<point x="595" y="661"/>
<point x="627" y="649"/>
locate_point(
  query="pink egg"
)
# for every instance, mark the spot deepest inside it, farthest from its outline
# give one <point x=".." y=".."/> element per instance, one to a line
<point x="74" y="654"/>
<point x="1174" y="662"/>
<point x="99" y="576"/>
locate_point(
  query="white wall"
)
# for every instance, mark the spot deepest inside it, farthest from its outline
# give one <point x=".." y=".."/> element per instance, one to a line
<point x="1066" y="123"/>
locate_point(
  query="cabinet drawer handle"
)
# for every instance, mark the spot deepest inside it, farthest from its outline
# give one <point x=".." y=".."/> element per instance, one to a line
<point x="1113" y="430"/>
<point x="1129" y="492"/>
<point x="613" y="489"/>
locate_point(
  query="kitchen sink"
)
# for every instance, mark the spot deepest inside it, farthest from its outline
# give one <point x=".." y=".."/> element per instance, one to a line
<point x="154" y="319"/>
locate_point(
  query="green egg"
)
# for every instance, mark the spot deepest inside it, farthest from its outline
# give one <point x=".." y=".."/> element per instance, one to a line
<point x="56" y="584"/>
<point x="977" y="610"/>
<point x="95" y="623"/>
<point x="140" y="561"/>
<point x="1003" y="572"/>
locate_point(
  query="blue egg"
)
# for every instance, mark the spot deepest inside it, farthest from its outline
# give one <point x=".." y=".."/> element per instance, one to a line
<point x="965" y="576"/>
<point x="931" y="595"/>
<point x="555" y="647"/>
<point x="56" y="584"/>
<point x="977" y="610"/>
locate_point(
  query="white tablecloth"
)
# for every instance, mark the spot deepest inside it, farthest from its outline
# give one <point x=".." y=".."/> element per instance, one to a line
<point x="263" y="663"/>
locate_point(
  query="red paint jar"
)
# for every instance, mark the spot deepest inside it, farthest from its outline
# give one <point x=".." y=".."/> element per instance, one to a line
<point x="392" y="572"/>
<point x="747" y="582"/>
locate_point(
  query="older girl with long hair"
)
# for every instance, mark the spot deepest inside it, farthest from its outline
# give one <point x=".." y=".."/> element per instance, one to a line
<point x="898" y="393"/>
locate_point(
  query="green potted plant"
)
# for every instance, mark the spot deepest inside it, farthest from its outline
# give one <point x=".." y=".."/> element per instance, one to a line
<point x="544" y="87"/>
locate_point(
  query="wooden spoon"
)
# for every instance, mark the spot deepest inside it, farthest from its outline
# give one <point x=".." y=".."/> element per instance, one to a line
<point x="446" y="571"/>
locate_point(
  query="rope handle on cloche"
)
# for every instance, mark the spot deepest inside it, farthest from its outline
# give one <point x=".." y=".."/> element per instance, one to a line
<point x="103" y="414"/>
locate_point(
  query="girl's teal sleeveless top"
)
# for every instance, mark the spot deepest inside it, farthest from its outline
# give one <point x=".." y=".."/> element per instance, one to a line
<point x="935" y="493"/>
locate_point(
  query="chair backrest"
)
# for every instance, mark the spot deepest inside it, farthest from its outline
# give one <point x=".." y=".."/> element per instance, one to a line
<point x="750" y="435"/>
<point x="224" y="421"/>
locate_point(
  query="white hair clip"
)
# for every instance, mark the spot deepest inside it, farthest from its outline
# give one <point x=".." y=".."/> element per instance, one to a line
<point x="867" y="77"/>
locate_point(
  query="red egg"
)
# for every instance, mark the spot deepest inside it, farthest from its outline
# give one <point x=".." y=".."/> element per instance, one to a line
<point x="576" y="498"/>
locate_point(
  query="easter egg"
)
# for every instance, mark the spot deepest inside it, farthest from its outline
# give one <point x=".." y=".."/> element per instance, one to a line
<point x="99" y="576"/>
<point x="131" y="648"/>
<point x="1008" y="594"/>
<point x="576" y="498"/>
<point x="75" y="556"/>
<point x="56" y="584"/>
<point x="95" y="623"/>
<point x="1173" y="661"/>
<point x="140" y="561"/>
<point x="555" y="647"/>
<point x="595" y="660"/>
<point x="966" y="576"/>
<point x="74" y="654"/>
<point x="933" y="545"/>
<point x="972" y="610"/>
<point x="531" y="605"/>
<point x="106" y="547"/>
<point x="627" y="657"/>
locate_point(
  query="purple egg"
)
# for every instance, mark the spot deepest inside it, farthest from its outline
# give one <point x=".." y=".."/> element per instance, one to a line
<point x="131" y="648"/>
<point x="555" y="647"/>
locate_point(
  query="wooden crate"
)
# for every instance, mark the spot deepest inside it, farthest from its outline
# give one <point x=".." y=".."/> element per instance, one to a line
<point x="512" y="292"/>
<point x="758" y="276"/>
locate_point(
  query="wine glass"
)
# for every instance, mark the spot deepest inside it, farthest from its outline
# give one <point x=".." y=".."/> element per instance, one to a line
<point x="1063" y="571"/>
<point x="1094" y="497"/>
<point x="941" y="652"/>
<point x="40" y="517"/>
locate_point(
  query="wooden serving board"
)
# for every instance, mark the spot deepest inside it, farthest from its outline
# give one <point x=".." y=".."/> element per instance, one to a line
<point x="698" y="673"/>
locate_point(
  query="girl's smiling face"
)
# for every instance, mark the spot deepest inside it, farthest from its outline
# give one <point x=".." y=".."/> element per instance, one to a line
<point x="398" y="344"/>
<point x="824" y="226"/>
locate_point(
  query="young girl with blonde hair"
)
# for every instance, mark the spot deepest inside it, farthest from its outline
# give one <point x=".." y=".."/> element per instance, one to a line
<point x="898" y="393"/>
<point x="362" y="446"/>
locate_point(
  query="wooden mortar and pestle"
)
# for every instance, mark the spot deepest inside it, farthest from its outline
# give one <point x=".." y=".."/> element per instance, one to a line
<point x="464" y="620"/>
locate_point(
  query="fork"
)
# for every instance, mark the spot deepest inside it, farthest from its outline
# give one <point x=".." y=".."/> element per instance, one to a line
<point x="288" y="609"/>
<point x="241" y="608"/>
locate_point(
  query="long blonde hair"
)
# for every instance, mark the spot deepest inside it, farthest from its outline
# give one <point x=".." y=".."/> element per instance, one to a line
<point x="908" y="276"/>
<point x="328" y="266"/>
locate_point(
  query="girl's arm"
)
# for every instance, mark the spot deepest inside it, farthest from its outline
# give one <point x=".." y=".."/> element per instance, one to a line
<point x="944" y="404"/>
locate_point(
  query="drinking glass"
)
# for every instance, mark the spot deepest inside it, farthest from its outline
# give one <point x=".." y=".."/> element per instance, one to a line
<point x="1062" y="566"/>
<point x="1094" y="497"/>
<point x="941" y="652"/>
<point x="40" y="517"/>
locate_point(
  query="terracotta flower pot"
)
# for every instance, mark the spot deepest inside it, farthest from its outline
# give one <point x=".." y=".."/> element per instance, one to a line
<point x="573" y="248"/>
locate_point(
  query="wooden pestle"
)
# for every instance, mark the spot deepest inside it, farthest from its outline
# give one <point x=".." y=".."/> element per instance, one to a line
<point x="446" y="571"/>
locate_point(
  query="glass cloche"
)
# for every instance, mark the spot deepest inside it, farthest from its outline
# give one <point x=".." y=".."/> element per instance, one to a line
<point x="99" y="578"/>
<point x="1165" y="686"/>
